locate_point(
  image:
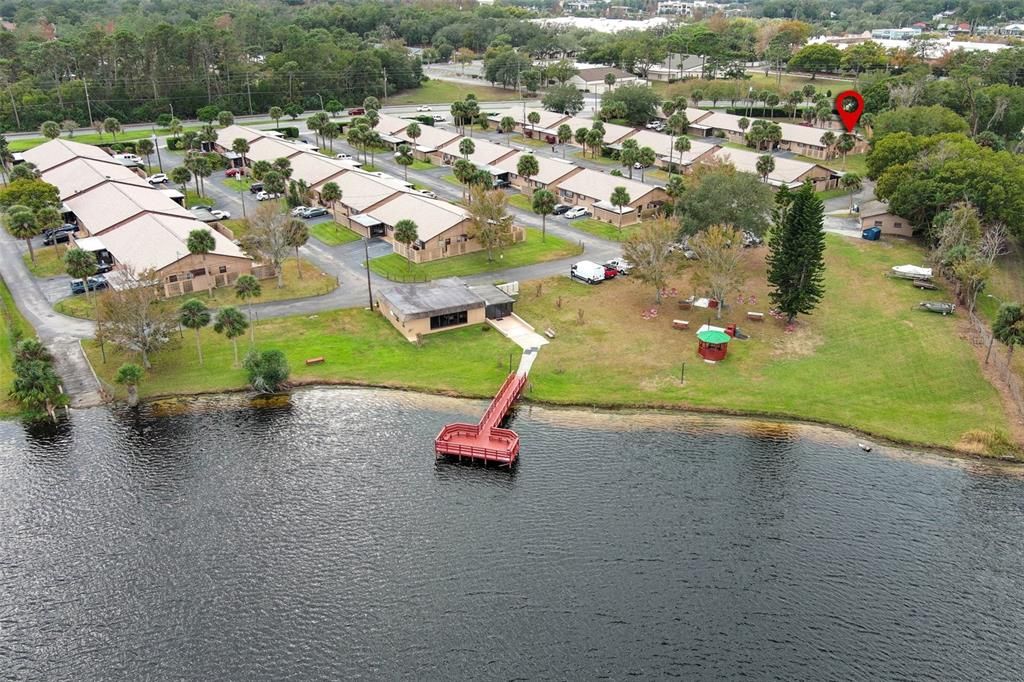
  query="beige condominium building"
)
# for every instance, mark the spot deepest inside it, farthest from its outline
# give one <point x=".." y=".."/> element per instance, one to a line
<point x="593" y="190"/>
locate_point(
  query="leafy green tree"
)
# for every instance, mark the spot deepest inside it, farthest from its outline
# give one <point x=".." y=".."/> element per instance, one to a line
<point x="130" y="376"/>
<point x="50" y="129"/>
<point x="31" y="192"/>
<point x="765" y="166"/>
<point x="371" y="103"/>
<point x="37" y="388"/>
<point x="724" y="196"/>
<point x="796" y="253"/>
<point x="201" y="242"/>
<point x="563" y="99"/>
<point x="919" y="121"/>
<point x="406" y="234"/>
<point x="1008" y="329"/>
<point x="619" y="199"/>
<point x="640" y="102"/>
<point x="225" y="118"/>
<point x="112" y="125"/>
<point x="293" y="110"/>
<point x="247" y="288"/>
<point x="526" y="168"/>
<point x="231" y="323"/>
<point x="333" y="106"/>
<point x="543" y="203"/>
<point x="404" y="158"/>
<point x="276" y="113"/>
<point x="531" y="79"/>
<point x="268" y="370"/>
<point x="20" y="222"/>
<point x="816" y="58"/>
<point x="194" y="315"/>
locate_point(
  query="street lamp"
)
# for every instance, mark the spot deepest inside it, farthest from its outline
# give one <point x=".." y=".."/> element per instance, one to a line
<point x="156" y="146"/>
<point x="750" y="92"/>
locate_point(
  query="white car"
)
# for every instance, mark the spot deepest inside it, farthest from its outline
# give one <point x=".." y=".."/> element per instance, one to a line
<point x="653" y="125"/>
<point x="220" y="215"/>
<point x="621" y="264"/>
<point x="427" y="193"/>
<point x="298" y="211"/>
<point x="576" y="212"/>
<point x="157" y="179"/>
<point x="439" y="118"/>
<point x="423" y="107"/>
<point x="264" y="195"/>
<point x="344" y="157"/>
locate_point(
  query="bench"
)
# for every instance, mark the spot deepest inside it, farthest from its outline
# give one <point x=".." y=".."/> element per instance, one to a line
<point x="315" y="361"/>
<point x="757" y="317"/>
<point x="685" y="304"/>
<point x="549" y="332"/>
<point x="680" y="324"/>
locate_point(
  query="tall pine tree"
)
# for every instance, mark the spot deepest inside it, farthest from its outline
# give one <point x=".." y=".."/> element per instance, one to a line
<point x="796" y="252"/>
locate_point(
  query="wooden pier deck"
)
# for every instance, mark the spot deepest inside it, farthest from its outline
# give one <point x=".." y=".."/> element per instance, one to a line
<point x="486" y="441"/>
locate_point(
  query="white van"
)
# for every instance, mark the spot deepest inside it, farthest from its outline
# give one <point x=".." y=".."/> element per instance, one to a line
<point x="127" y="158"/>
<point x="587" y="271"/>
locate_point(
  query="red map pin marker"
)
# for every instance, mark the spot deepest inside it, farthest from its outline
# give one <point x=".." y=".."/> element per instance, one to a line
<point x="848" y="114"/>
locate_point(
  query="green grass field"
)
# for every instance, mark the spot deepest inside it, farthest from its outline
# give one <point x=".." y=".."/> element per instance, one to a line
<point x="532" y="250"/>
<point x="603" y="160"/>
<point x="238" y="184"/>
<point x="49" y="261"/>
<point x="421" y="165"/>
<point x="358" y="346"/>
<point x="446" y="92"/>
<point x="758" y="81"/>
<point x="333" y="234"/>
<point x="865" y="359"/>
<point x="21" y="144"/>
<point x="238" y="226"/>
<point x="521" y="201"/>
<point x="601" y="229"/>
<point x="521" y="140"/>
<point x="12" y="324"/>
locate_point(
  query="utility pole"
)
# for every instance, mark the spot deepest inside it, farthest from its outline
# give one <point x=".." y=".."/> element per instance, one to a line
<point x="385" y="84"/>
<point x="88" y="104"/>
<point x="366" y="251"/>
<point x="17" y="120"/>
<point x="156" y="145"/>
<point x="248" y="93"/>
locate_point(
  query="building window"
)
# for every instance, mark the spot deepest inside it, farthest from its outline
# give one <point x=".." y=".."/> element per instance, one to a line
<point x="222" y="269"/>
<point x="449" y="320"/>
<point x="878" y="223"/>
<point x="172" y="278"/>
<point x="897" y="226"/>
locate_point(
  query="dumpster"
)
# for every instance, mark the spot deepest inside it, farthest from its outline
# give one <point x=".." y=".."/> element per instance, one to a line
<point x="872" y="234"/>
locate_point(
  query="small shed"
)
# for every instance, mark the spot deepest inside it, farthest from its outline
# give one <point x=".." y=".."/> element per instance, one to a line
<point x="499" y="304"/>
<point x="712" y="345"/>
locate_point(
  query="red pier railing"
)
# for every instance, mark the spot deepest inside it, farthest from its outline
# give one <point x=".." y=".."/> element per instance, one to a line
<point x="485" y="441"/>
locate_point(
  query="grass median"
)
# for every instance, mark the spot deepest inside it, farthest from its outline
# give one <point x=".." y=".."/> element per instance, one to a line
<point x="601" y="229"/>
<point x="49" y="261"/>
<point x="528" y="252"/>
<point x="333" y="234"/>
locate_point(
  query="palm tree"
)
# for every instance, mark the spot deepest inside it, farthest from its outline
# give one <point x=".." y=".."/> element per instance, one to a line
<point x="771" y="102"/>
<point x="20" y="222"/>
<point x="629" y="155"/>
<point x="458" y="111"/>
<point x="231" y="323"/>
<point x="793" y="100"/>
<point x="609" y="81"/>
<point x="564" y="136"/>
<point x="130" y="375"/>
<point x="298" y="236"/>
<point x="620" y="198"/>
<point x="330" y="194"/>
<point x="466" y="148"/>
<point x="240" y="146"/>
<point x="463" y="171"/>
<point x="543" y="204"/>
<point x="675" y="188"/>
<point x="595" y="140"/>
<point x="69" y="126"/>
<point x="1008" y="329"/>
<point x="506" y="125"/>
<point x="581" y="138"/>
<point x="406" y="233"/>
<point x="404" y="158"/>
<point x="112" y="125"/>
<point x="526" y="168"/>
<point x="534" y="118"/>
<point x="181" y="176"/>
<point x="247" y="288"/>
<point x="682" y="145"/>
<point x="646" y="157"/>
<point x="675" y="126"/>
<point x="276" y="113"/>
<point x="413" y="131"/>
<point x="225" y="118"/>
<point x="260" y="169"/>
<point x="696" y="96"/>
<point x="50" y="129"/>
<point x="80" y="264"/>
<point x="852" y="183"/>
<point x="201" y="242"/>
<point x="194" y="315"/>
<point x="48" y="217"/>
<point x="827" y="140"/>
<point x="765" y="166"/>
<point x="845" y="144"/>
<point x="145" y="147"/>
<point x="174" y="127"/>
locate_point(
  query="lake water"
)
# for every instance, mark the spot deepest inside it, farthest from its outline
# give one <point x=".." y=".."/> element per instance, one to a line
<point x="316" y="538"/>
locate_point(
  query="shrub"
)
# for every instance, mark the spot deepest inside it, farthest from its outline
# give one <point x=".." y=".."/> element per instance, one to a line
<point x="268" y="370"/>
<point x="174" y="143"/>
<point x="164" y="120"/>
<point x="291" y="132"/>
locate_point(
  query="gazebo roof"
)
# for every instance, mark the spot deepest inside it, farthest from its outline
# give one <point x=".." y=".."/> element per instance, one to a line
<point x="711" y="336"/>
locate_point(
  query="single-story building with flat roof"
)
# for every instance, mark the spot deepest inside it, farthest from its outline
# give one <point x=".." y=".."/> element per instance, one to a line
<point x="593" y="190"/>
<point x="789" y="173"/>
<point x="593" y="79"/>
<point x="876" y="214"/>
<point x="662" y="145"/>
<point x="799" y="139"/>
<point x="548" y="119"/>
<point x="417" y="309"/>
<point x="551" y="172"/>
<point x="485" y="153"/>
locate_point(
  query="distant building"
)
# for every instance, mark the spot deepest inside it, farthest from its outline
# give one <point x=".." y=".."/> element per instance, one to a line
<point x="895" y="33"/>
<point x="876" y="214"/>
<point x="593" y="79"/>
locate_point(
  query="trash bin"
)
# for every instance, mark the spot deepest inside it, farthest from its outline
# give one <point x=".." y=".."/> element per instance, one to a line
<point x="872" y="234"/>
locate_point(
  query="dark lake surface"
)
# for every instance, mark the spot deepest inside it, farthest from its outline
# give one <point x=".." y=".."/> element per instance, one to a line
<point x="316" y="538"/>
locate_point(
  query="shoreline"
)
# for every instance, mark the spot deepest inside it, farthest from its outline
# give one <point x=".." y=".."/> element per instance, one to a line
<point x="667" y="408"/>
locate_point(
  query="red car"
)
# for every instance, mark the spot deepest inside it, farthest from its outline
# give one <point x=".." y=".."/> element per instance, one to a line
<point x="356" y="111"/>
<point x="610" y="272"/>
<point x="234" y="172"/>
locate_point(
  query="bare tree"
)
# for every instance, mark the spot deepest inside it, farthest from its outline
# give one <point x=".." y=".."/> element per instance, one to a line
<point x="994" y="242"/>
<point x="647" y="250"/>
<point x="490" y="221"/>
<point x="719" y="267"/>
<point x="270" y="237"/>
<point x="131" y="320"/>
<point x="905" y="94"/>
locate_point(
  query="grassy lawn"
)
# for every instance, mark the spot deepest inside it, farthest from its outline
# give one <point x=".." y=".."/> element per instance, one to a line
<point x="49" y="261"/>
<point x="194" y="198"/>
<point x="358" y="346"/>
<point x="312" y="283"/>
<point x="603" y="160"/>
<point x="238" y="226"/>
<point x="421" y="165"/>
<point x="333" y="234"/>
<point x="452" y="180"/>
<point x="533" y="250"/>
<point x="22" y="144"/>
<point x="521" y="201"/>
<point x="238" y="185"/>
<point x="855" y="163"/>
<point x="527" y="141"/>
<point x="601" y="229"/>
<point x="833" y="193"/>
<point x="13" y="325"/>
<point x="446" y="92"/>
<point x="865" y="359"/>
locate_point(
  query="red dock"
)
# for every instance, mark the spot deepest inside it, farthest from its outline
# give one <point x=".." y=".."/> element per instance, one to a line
<point x="485" y="441"/>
